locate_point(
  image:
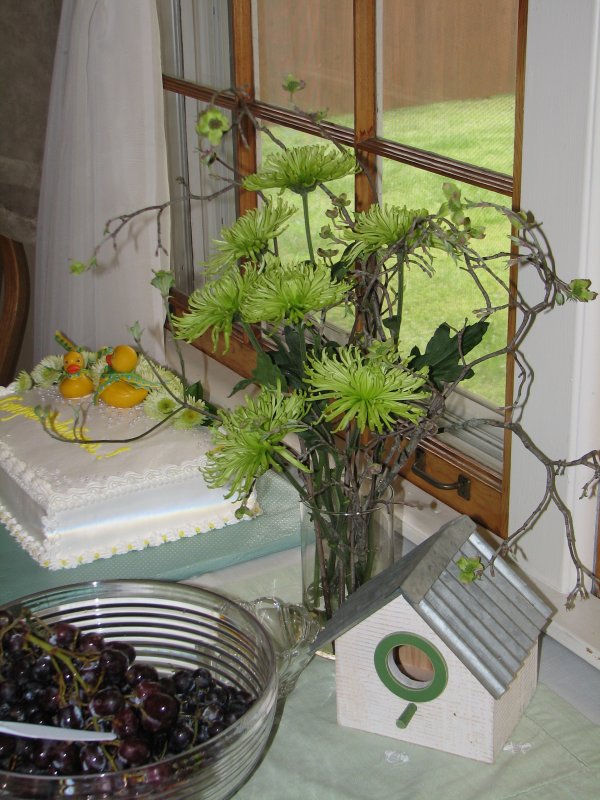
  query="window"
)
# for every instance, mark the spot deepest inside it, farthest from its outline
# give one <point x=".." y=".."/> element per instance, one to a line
<point x="424" y="90"/>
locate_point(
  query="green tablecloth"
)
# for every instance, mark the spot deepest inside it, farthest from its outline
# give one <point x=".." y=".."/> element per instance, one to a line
<point x="277" y="529"/>
<point x="556" y="756"/>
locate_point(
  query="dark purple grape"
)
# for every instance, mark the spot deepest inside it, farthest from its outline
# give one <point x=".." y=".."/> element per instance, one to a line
<point x="159" y="712"/>
<point x="202" y="678"/>
<point x="114" y="663"/>
<point x="184" y="681"/>
<point x="63" y="635"/>
<point x="14" y="640"/>
<point x="215" y="727"/>
<point x="7" y="745"/>
<point x="168" y="684"/>
<point x="134" y="751"/>
<point x="93" y="758"/>
<point x="212" y="713"/>
<point x="66" y="758"/>
<point x="145" y="688"/>
<point x="19" y="711"/>
<point x="181" y="737"/>
<point x="126" y="722"/>
<point x="19" y="666"/>
<point x="158" y="773"/>
<point x="127" y="649"/>
<point x="90" y="643"/>
<point x="107" y="702"/>
<point x="70" y="716"/>
<point x="9" y="691"/>
<point x="42" y="753"/>
<point x="49" y="698"/>
<point x="42" y="669"/>
<point x="202" y="733"/>
<point x="91" y="675"/>
<point x="141" y="672"/>
<point x="67" y="674"/>
<point x="218" y="694"/>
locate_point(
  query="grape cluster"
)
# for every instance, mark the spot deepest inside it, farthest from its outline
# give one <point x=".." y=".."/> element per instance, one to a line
<point x="58" y="675"/>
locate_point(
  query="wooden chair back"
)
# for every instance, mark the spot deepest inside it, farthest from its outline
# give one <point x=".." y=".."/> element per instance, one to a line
<point x="14" y="305"/>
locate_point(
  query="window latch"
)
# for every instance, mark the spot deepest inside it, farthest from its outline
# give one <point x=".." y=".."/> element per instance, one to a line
<point x="462" y="486"/>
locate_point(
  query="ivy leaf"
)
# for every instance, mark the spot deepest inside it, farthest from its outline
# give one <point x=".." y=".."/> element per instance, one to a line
<point x="291" y="84"/>
<point x="580" y="290"/>
<point x="470" y="569"/>
<point x="442" y="354"/>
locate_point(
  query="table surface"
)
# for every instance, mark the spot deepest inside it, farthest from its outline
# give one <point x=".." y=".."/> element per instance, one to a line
<point x="553" y="754"/>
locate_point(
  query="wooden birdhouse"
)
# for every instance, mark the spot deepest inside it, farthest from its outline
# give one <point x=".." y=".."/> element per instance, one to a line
<point x="427" y="658"/>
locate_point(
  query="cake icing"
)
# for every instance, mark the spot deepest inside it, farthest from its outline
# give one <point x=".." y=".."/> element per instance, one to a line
<point x="69" y="503"/>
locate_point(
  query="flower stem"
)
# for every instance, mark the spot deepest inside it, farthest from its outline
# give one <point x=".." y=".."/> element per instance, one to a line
<point x="309" y="244"/>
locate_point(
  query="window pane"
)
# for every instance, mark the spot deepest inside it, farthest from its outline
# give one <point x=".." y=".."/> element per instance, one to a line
<point x="195" y="41"/>
<point x="451" y="295"/>
<point x="194" y="224"/>
<point x="313" y="41"/>
<point x="449" y="86"/>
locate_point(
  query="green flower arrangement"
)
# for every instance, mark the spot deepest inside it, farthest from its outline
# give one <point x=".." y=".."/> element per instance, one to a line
<point x="341" y="418"/>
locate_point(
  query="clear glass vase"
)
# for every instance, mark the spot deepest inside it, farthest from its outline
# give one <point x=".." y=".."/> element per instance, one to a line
<point x="341" y="550"/>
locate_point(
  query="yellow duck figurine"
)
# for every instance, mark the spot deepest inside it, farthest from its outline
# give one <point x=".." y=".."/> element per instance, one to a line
<point x="76" y="383"/>
<point x="120" y="392"/>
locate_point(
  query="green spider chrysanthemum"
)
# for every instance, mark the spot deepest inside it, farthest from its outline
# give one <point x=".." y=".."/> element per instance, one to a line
<point x="301" y="169"/>
<point x="152" y="373"/>
<point x="368" y="392"/>
<point x="250" y="234"/>
<point x="250" y="440"/>
<point x="48" y="371"/>
<point x="288" y="291"/>
<point x="212" y="124"/>
<point x="23" y="381"/>
<point x="189" y="418"/>
<point x="215" y="306"/>
<point x="379" y="228"/>
<point x="159" y="404"/>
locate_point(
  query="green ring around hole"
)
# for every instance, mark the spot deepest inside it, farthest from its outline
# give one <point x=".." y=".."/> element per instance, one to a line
<point x="417" y="695"/>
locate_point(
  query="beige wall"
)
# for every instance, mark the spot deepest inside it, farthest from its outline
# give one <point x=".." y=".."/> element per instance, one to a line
<point x="28" y="30"/>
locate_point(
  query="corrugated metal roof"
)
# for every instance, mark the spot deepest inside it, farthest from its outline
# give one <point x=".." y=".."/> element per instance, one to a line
<point x="490" y="624"/>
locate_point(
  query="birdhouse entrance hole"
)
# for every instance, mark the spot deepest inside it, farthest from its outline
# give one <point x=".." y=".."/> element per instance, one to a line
<point x="411" y="667"/>
<point x="413" y="664"/>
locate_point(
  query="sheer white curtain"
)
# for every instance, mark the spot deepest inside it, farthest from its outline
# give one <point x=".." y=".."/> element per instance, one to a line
<point x="104" y="155"/>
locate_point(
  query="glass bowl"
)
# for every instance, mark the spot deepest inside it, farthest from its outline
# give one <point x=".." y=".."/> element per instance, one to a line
<point x="292" y="629"/>
<point x="171" y="626"/>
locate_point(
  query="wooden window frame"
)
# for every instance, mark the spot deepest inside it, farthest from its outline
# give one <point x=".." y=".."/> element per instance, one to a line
<point x="489" y="489"/>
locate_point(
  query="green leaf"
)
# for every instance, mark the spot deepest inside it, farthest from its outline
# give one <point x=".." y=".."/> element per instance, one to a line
<point x="291" y="84"/>
<point x="580" y="290"/>
<point x="392" y="323"/>
<point x="267" y="373"/>
<point x="470" y="569"/>
<point x="290" y="359"/>
<point x="443" y="356"/>
<point x="195" y="391"/>
<point x="164" y="281"/>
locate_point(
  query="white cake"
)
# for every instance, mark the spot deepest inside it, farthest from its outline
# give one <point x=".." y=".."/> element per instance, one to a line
<point x="69" y="504"/>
